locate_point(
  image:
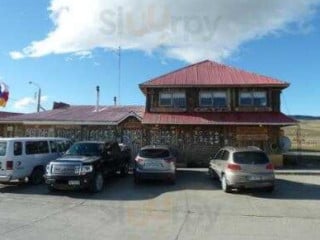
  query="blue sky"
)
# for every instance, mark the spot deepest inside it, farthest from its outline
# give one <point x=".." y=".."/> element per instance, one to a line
<point x="60" y="46"/>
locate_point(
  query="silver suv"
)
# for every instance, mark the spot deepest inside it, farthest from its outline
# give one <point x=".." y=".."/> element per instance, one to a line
<point x="239" y="168"/>
<point x="155" y="162"/>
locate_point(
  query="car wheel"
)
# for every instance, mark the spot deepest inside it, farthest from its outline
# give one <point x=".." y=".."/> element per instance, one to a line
<point x="172" y="180"/>
<point x="224" y="184"/>
<point x="124" y="171"/>
<point x="269" y="189"/>
<point x="36" y="176"/>
<point x="137" y="180"/>
<point x="51" y="188"/>
<point x="97" y="183"/>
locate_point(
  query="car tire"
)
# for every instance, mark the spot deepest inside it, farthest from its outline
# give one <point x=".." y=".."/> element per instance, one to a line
<point x="124" y="171"/>
<point x="269" y="189"/>
<point x="172" y="181"/>
<point x="136" y="179"/>
<point x="51" y="189"/>
<point x="97" y="183"/>
<point x="36" y="176"/>
<point x="224" y="184"/>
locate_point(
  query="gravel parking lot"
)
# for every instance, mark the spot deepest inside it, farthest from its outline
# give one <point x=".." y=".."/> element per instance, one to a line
<point x="194" y="208"/>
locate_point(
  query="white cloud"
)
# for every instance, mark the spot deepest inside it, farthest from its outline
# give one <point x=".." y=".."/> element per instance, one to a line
<point x="189" y="30"/>
<point x="17" y="55"/>
<point x="28" y="104"/>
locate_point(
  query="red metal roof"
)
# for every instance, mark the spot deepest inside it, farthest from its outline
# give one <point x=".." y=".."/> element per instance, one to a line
<point x="211" y="74"/>
<point x="8" y="114"/>
<point x="238" y="118"/>
<point x="106" y="114"/>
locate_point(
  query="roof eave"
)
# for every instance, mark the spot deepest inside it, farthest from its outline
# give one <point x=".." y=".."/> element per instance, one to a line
<point x="225" y="123"/>
<point x="145" y="87"/>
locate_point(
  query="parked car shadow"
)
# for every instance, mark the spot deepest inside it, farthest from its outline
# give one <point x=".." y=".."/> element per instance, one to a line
<point x="118" y="188"/>
<point x="286" y="189"/>
<point x="124" y="189"/>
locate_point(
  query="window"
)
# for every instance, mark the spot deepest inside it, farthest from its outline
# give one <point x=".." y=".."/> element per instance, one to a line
<point x="260" y="99"/>
<point x="255" y="98"/>
<point x="17" y="148"/>
<point x="219" y="155"/>
<point x="3" y="148"/>
<point x="225" y="155"/>
<point x="154" y="153"/>
<point x="179" y="99"/>
<point x="206" y="99"/>
<point x="85" y="149"/>
<point x="63" y="146"/>
<point x="176" y="99"/>
<point x="215" y="99"/>
<point x="53" y="146"/>
<point x="250" y="158"/>
<point x="37" y="147"/>
<point x="245" y="99"/>
<point x="165" y="99"/>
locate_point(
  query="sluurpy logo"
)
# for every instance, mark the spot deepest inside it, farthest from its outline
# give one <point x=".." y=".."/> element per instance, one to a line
<point x="4" y="94"/>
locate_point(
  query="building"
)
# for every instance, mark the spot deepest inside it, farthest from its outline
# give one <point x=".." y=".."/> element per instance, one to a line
<point x="196" y="110"/>
<point x="202" y="107"/>
<point x="122" y="123"/>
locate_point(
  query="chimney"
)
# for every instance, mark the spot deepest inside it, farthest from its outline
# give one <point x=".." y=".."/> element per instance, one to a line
<point x="98" y="99"/>
<point x="115" y="101"/>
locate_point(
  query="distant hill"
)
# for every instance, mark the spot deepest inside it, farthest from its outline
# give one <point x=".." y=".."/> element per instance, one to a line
<point x="305" y="117"/>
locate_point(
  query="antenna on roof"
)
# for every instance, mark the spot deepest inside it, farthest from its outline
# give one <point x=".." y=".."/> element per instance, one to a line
<point x="98" y="98"/>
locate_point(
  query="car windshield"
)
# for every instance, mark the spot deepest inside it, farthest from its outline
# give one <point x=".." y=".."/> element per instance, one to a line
<point x="154" y="153"/>
<point x="250" y="158"/>
<point x="85" y="149"/>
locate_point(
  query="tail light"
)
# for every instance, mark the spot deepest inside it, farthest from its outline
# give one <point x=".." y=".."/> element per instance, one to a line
<point x="9" y="165"/>
<point x="139" y="160"/>
<point x="234" y="167"/>
<point x="270" y="166"/>
<point x="170" y="159"/>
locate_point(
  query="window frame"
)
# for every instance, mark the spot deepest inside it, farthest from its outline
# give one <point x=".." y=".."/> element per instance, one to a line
<point x="253" y="94"/>
<point x="212" y="94"/>
<point x="172" y="99"/>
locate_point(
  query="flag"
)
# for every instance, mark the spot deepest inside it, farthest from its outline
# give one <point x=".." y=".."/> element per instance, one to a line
<point x="4" y="94"/>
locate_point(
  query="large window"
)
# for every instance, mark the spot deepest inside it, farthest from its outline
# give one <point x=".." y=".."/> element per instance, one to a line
<point x="253" y="98"/>
<point x="215" y="99"/>
<point x="175" y="99"/>
<point x="37" y="147"/>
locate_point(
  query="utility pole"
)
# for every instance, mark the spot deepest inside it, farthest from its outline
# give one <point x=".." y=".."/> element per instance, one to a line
<point x="39" y="95"/>
<point x="119" y="75"/>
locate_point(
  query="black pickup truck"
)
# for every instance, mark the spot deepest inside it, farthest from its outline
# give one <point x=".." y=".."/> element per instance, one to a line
<point x="86" y="164"/>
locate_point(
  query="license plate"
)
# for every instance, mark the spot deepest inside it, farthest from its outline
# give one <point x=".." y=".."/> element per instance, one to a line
<point x="255" y="178"/>
<point x="153" y="165"/>
<point x="74" y="182"/>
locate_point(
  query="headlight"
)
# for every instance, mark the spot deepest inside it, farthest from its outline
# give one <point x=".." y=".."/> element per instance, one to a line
<point x="86" y="169"/>
<point x="48" y="168"/>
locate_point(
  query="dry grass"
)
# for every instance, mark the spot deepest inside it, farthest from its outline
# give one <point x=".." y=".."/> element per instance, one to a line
<point x="309" y="137"/>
